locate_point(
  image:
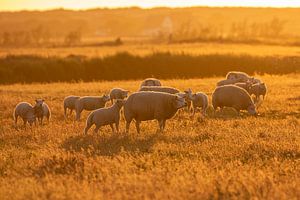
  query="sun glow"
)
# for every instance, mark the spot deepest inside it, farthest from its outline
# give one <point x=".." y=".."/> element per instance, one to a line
<point x="81" y="4"/>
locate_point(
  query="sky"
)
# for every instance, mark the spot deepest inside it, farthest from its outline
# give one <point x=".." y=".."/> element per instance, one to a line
<point x="14" y="5"/>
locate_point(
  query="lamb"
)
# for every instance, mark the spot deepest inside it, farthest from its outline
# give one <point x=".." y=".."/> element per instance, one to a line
<point x="200" y="100"/>
<point x="69" y="103"/>
<point x="118" y="93"/>
<point x="256" y="89"/>
<point x="164" y="89"/>
<point x="151" y="82"/>
<point x="42" y="110"/>
<point x="188" y="96"/>
<point x="143" y="106"/>
<point x="105" y="116"/>
<point x="89" y="103"/>
<point x="26" y="112"/>
<point x="233" y="96"/>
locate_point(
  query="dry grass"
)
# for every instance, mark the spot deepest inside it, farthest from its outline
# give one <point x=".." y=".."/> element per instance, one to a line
<point x="217" y="157"/>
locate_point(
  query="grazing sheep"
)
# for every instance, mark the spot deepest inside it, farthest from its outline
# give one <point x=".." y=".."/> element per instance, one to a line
<point x="238" y="76"/>
<point x="118" y="93"/>
<point x="227" y="82"/>
<point x="233" y="96"/>
<point x="143" y="106"/>
<point x="258" y="89"/>
<point x="151" y="82"/>
<point x="26" y="112"/>
<point x="200" y="100"/>
<point x="164" y="89"/>
<point x="69" y="103"/>
<point x="89" y="103"/>
<point x="42" y="110"/>
<point x="105" y="116"/>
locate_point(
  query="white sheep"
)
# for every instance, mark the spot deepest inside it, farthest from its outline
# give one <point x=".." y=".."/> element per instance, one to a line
<point x="117" y="93"/>
<point x="164" y="89"/>
<point x="200" y="100"/>
<point x="105" y="116"/>
<point x="143" y="106"/>
<point x="90" y="103"/>
<point x="42" y="110"/>
<point x="69" y="103"/>
<point x="151" y="82"/>
<point x="26" y="112"/>
<point x="233" y="96"/>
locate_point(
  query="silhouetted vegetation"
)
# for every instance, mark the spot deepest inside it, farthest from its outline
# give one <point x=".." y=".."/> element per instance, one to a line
<point x="125" y="66"/>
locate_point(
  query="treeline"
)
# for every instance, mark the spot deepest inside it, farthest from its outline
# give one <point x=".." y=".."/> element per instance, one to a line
<point x="123" y="66"/>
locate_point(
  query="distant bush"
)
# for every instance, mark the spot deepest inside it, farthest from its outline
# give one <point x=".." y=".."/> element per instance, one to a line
<point x="124" y="66"/>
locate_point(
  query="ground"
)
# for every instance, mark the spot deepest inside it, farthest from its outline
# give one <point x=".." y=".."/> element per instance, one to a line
<point x="221" y="156"/>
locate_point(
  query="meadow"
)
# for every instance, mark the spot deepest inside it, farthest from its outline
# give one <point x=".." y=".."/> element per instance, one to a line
<point x="222" y="156"/>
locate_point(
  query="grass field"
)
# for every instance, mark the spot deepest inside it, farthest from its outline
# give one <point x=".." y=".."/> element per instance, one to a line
<point x="147" y="49"/>
<point x="222" y="156"/>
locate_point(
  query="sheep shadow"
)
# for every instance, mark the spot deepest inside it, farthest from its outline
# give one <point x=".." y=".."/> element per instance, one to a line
<point x="104" y="145"/>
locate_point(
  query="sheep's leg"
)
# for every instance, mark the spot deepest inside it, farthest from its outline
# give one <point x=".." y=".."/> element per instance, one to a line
<point x="128" y="125"/>
<point x="112" y="128"/>
<point x="117" y="127"/>
<point x="137" y="125"/>
<point x="96" y="129"/>
<point x="161" y="125"/>
<point x="65" y="112"/>
<point x="16" y="120"/>
<point x="78" y="112"/>
<point x="42" y="120"/>
<point x="87" y="127"/>
<point x="24" y="121"/>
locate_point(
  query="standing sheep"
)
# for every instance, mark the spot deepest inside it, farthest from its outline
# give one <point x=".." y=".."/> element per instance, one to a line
<point x="151" y="82"/>
<point x="105" y="116"/>
<point x="164" y="89"/>
<point x="117" y="93"/>
<point x="42" y="110"/>
<point x="69" y="103"/>
<point x="188" y="96"/>
<point x="233" y="96"/>
<point x="200" y="100"/>
<point x="26" y="112"/>
<point x="256" y="89"/>
<point x="143" y="106"/>
<point x="89" y="103"/>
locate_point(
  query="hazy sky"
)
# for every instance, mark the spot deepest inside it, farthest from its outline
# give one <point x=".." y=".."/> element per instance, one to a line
<point x="84" y="4"/>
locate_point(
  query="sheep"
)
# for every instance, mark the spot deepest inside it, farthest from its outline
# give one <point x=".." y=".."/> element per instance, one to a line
<point x="233" y="96"/>
<point x="150" y="82"/>
<point x="42" y="110"/>
<point x="238" y="76"/>
<point x="254" y="89"/>
<point x="200" y="99"/>
<point x="69" y="103"/>
<point x="26" y="112"/>
<point x="143" y="106"/>
<point x="89" y="103"/>
<point x="105" y="116"/>
<point x="164" y="89"/>
<point x="117" y="93"/>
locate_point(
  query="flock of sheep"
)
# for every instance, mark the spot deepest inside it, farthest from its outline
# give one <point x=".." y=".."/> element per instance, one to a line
<point x="152" y="101"/>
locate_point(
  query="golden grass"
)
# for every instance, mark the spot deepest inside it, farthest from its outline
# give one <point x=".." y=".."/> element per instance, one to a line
<point x="147" y="49"/>
<point x="217" y="157"/>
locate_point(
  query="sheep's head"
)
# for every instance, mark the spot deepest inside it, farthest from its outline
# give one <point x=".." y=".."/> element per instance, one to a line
<point x="120" y="103"/>
<point x="189" y="94"/>
<point x="105" y="97"/>
<point x="252" y="110"/>
<point x="38" y="107"/>
<point x="262" y="89"/>
<point x="125" y="94"/>
<point x="179" y="102"/>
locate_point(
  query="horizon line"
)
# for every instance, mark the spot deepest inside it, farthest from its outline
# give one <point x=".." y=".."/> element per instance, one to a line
<point x="142" y="8"/>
